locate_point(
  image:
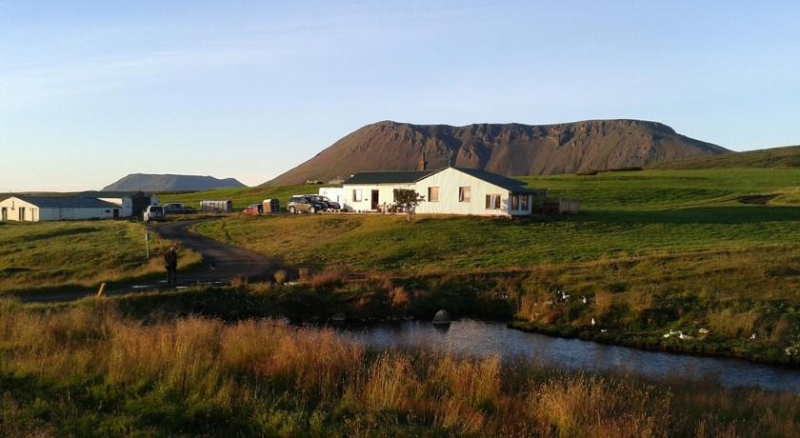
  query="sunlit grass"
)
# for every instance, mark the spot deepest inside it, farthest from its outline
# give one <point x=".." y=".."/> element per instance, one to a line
<point x="67" y="254"/>
<point x="88" y="370"/>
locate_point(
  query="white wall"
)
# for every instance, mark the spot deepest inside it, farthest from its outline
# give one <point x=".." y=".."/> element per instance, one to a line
<point x="57" y="214"/>
<point x="385" y="195"/>
<point x="35" y="214"/>
<point x="13" y="206"/>
<point x="125" y="205"/>
<point x="335" y="194"/>
<point x="449" y="181"/>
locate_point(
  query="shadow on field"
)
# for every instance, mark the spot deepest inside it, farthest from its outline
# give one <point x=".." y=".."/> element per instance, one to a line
<point x="59" y="232"/>
<point x="705" y="215"/>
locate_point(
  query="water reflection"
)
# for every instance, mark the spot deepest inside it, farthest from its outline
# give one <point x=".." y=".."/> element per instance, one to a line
<point x="483" y="339"/>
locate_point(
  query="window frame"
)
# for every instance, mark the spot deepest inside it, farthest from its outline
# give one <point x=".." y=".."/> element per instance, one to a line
<point x="464" y="194"/>
<point x="431" y="198"/>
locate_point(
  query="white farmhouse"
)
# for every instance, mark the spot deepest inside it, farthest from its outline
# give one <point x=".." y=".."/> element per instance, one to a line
<point x="449" y="190"/>
<point x="29" y="209"/>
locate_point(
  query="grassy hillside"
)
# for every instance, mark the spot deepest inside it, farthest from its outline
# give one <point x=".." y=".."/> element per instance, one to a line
<point x="625" y="214"/>
<point x="776" y="157"/>
<point x="241" y="197"/>
<point x="59" y="256"/>
<point x="653" y="251"/>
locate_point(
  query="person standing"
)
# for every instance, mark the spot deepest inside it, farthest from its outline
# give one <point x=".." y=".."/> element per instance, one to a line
<point x="171" y="264"/>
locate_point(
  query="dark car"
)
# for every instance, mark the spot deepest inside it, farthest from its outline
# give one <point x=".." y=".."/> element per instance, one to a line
<point x="332" y="205"/>
<point x="305" y="204"/>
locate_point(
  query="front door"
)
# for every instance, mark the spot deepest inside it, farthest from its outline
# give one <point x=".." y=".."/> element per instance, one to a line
<point x="21" y="214"/>
<point x="5" y="214"/>
<point x="375" y="200"/>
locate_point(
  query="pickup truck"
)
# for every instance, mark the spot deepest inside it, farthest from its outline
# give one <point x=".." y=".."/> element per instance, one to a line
<point x="154" y="213"/>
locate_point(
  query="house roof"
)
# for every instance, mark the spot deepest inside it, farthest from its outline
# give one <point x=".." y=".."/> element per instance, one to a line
<point x="101" y="194"/>
<point x="388" y="177"/>
<point x="501" y="181"/>
<point x="67" y="202"/>
<point x="407" y="177"/>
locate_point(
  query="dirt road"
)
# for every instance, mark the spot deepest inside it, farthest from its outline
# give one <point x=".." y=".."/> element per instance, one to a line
<point x="221" y="265"/>
<point x="221" y="262"/>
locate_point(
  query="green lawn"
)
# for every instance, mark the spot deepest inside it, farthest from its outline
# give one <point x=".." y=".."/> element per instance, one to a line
<point x="63" y="255"/>
<point x="624" y="215"/>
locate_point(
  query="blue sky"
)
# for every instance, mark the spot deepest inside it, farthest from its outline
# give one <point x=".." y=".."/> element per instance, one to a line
<point x="92" y="91"/>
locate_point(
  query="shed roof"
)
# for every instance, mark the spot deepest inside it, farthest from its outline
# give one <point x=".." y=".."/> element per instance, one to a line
<point x="68" y="202"/>
<point x="102" y="194"/>
<point x="388" y="177"/>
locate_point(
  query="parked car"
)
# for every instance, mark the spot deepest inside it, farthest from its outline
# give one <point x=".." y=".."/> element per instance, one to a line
<point x="178" y="208"/>
<point x="254" y="209"/>
<point x="331" y="204"/>
<point x="305" y="204"/>
<point x="154" y="213"/>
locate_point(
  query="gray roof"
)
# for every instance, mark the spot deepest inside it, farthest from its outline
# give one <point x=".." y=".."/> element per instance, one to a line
<point x="510" y="184"/>
<point x="407" y="177"/>
<point x="389" y="177"/>
<point x="102" y="194"/>
<point x="68" y="202"/>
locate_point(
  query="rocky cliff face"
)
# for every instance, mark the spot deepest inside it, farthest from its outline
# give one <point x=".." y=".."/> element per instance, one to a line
<point x="506" y="149"/>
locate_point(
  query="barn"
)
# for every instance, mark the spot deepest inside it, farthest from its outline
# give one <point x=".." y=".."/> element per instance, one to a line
<point x="30" y="209"/>
<point x="131" y="204"/>
<point x="449" y="190"/>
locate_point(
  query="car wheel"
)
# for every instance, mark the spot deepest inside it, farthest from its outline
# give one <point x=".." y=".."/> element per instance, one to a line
<point x="312" y="210"/>
<point x="292" y="210"/>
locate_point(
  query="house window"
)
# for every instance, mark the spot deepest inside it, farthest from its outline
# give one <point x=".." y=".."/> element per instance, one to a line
<point x="433" y="194"/>
<point x="492" y="202"/>
<point x="524" y="202"/>
<point x="356" y="195"/>
<point x="515" y="202"/>
<point x="463" y="194"/>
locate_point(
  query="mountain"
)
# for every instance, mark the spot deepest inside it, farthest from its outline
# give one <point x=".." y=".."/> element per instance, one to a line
<point x="507" y="149"/>
<point x="171" y="183"/>
<point x="788" y="156"/>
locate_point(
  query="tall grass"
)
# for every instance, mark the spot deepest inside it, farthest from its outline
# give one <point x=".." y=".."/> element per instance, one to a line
<point x="86" y="370"/>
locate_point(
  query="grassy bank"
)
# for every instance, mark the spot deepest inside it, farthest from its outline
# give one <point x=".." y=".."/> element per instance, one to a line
<point x="59" y="256"/>
<point x="714" y="254"/>
<point x="92" y="369"/>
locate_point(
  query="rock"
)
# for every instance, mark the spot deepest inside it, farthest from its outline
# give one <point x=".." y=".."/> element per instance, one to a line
<point x="441" y="317"/>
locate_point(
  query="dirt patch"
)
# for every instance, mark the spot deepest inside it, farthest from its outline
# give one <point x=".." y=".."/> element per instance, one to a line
<point x="756" y="199"/>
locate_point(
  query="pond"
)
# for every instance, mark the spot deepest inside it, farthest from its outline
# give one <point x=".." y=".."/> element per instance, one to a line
<point x="484" y="339"/>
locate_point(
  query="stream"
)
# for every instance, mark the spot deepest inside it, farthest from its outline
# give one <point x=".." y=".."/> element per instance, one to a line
<point x="483" y="339"/>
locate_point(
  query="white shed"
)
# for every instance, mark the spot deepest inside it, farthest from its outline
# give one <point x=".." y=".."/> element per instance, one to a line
<point x="25" y="209"/>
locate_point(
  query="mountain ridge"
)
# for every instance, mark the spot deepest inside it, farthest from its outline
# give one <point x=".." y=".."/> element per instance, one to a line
<point x="147" y="182"/>
<point x="510" y="149"/>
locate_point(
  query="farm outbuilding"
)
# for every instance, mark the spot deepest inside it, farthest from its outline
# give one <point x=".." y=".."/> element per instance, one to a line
<point x="130" y="203"/>
<point x="216" y="206"/>
<point x="29" y="209"/>
<point x="449" y="190"/>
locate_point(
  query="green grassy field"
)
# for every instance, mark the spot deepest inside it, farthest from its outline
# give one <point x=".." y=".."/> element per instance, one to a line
<point x="59" y="256"/>
<point x="653" y="251"/>
<point x="241" y="197"/>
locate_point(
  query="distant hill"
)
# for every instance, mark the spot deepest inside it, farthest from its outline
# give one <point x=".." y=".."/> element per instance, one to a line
<point x="506" y="149"/>
<point x="788" y="156"/>
<point x="171" y="183"/>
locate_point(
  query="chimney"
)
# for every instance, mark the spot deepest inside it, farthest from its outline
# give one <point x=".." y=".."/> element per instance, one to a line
<point x="423" y="165"/>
